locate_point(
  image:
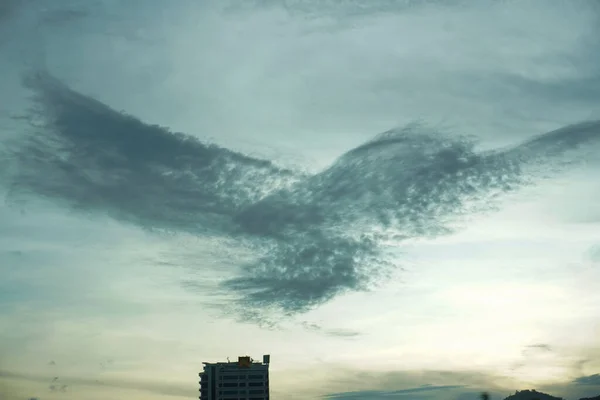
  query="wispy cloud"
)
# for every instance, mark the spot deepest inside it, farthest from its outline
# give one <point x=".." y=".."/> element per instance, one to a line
<point x="594" y="254"/>
<point x="313" y="236"/>
<point x="341" y="333"/>
<point x="537" y="348"/>
<point x="395" y="394"/>
<point x="424" y="384"/>
<point x="453" y="385"/>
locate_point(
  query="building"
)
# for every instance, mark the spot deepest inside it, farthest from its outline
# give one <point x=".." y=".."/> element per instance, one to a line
<point x="245" y="379"/>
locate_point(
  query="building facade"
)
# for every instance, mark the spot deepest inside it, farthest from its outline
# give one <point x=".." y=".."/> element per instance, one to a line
<point x="245" y="379"/>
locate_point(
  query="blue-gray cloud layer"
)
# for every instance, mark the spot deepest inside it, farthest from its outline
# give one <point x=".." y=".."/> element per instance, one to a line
<point x="314" y="236"/>
<point x="593" y="380"/>
<point x="423" y="392"/>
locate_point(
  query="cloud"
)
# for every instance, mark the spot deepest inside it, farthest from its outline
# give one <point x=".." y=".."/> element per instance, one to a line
<point x="60" y="17"/>
<point x="51" y="14"/>
<point x="593" y="380"/>
<point x="100" y="159"/>
<point x="341" y="333"/>
<point x="541" y="346"/>
<point x="8" y="8"/>
<point x="594" y="254"/>
<point x="424" y="384"/>
<point x="313" y="236"/>
<point x="394" y="394"/>
<point x="456" y="385"/>
<point x="535" y="349"/>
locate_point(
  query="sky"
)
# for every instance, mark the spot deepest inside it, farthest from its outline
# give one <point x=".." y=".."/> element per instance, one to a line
<point x="394" y="199"/>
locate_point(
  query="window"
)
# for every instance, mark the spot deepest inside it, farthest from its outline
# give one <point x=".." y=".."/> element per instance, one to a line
<point x="256" y="391"/>
<point x="230" y="384"/>
<point x="256" y="377"/>
<point x="256" y="384"/>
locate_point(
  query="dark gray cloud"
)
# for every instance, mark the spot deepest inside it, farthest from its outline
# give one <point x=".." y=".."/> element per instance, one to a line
<point x="315" y="236"/>
<point x="8" y="8"/>
<point x="49" y="13"/>
<point x="102" y="160"/>
<point x="593" y="380"/>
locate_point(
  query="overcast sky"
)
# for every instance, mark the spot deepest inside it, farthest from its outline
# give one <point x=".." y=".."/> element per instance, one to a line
<point x="457" y="252"/>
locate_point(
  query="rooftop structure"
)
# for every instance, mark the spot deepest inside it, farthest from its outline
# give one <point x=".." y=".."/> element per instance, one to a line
<point x="244" y="379"/>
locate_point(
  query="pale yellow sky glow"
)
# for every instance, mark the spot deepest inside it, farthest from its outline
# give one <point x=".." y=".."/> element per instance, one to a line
<point x="450" y="314"/>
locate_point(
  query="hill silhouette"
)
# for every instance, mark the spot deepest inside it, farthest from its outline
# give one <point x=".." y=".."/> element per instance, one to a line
<point x="531" y="395"/>
<point x="535" y="395"/>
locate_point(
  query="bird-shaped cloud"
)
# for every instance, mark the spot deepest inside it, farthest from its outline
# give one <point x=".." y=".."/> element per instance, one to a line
<point x="314" y="236"/>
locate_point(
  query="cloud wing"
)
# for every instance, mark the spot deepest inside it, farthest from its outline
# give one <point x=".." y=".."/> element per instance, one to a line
<point x="409" y="183"/>
<point x="412" y="181"/>
<point x="92" y="157"/>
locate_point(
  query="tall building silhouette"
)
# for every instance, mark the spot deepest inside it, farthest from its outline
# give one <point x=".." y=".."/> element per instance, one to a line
<point x="245" y="379"/>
